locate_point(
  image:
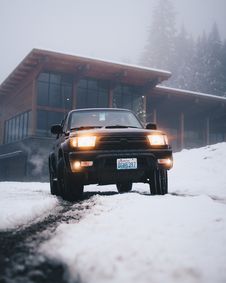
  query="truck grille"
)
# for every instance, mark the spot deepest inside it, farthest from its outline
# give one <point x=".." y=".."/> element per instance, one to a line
<point x="139" y="142"/>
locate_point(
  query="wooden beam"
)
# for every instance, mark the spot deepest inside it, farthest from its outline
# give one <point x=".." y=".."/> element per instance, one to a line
<point x="110" y="95"/>
<point x="181" y="131"/>
<point x="26" y="67"/>
<point x="33" y="110"/>
<point x="144" y="97"/>
<point x="74" y="93"/>
<point x="7" y="88"/>
<point x="207" y="130"/>
<point x="155" y="115"/>
<point x="150" y="84"/>
<point x="81" y="71"/>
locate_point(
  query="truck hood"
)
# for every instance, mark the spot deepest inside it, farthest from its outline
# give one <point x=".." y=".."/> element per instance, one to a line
<point x="115" y="132"/>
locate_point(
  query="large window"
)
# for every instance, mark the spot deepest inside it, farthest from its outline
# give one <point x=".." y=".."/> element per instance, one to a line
<point x="92" y="93"/>
<point x="55" y="90"/>
<point x="16" y="128"/>
<point x="130" y="97"/>
<point x="45" y="119"/>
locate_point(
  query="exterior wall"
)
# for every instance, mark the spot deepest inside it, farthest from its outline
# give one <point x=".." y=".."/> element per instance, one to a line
<point x="18" y="102"/>
<point x="187" y="122"/>
<point x="25" y="160"/>
<point x="14" y="104"/>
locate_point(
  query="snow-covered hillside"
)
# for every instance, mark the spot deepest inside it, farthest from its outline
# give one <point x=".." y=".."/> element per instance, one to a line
<point x="135" y="237"/>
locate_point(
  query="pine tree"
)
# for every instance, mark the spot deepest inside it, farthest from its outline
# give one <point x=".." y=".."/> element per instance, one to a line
<point x="223" y="70"/>
<point x="198" y="66"/>
<point x="200" y="63"/>
<point x="160" y="49"/>
<point x="208" y="63"/>
<point x="183" y="71"/>
<point x="214" y="49"/>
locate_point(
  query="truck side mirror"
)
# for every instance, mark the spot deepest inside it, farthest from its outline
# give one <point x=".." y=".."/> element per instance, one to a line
<point x="151" y="126"/>
<point x="56" y="129"/>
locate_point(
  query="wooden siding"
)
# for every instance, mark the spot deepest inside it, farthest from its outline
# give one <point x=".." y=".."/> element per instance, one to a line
<point x="14" y="104"/>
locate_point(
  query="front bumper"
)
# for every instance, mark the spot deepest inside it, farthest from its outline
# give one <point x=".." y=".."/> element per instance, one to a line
<point x="101" y="166"/>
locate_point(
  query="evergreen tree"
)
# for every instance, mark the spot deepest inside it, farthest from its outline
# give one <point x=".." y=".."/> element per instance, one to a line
<point x="198" y="66"/>
<point x="160" y="48"/>
<point x="223" y="70"/>
<point x="182" y="77"/>
<point x="208" y="63"/>
<point x="214" y="51"/>
<point x="200" y="60"/>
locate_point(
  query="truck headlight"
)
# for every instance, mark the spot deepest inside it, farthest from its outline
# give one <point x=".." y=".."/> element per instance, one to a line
<point x="83" y="141"/>
<point x="158" y="139"/>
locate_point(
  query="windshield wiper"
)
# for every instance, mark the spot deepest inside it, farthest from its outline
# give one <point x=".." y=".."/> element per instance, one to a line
<point x="119" y="126"/>
<point x="85" y="128"/>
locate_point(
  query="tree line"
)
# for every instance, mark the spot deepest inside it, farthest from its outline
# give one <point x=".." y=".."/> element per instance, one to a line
<point x="196" y="64"/>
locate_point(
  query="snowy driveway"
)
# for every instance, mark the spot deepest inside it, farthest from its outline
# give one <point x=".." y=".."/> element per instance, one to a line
<point x="135" y="237"/>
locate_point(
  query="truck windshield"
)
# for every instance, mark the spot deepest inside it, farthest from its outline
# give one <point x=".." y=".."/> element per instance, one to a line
<point x="110" y="119"/>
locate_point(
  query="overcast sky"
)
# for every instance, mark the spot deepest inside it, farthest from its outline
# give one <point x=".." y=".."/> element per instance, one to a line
<point x="109" y="29"/>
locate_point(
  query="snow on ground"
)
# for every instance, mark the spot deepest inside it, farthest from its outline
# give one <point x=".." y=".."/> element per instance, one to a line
<point x="179" y="237"/>
<point x="200" y="171"/>
<point x="21" y="203"/>
<point x="135" y="237"/>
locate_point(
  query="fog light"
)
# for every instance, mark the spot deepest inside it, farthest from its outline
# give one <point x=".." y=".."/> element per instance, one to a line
<point x="167" y="161"/>
<point x="76" y="165"/>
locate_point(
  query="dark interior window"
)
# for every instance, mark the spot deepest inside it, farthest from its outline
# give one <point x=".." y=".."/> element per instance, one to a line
<point x="55" y="90"/>
<point x="92" y="93"/>
<point x="16" y="128"/>
<point x="45" y="119"/>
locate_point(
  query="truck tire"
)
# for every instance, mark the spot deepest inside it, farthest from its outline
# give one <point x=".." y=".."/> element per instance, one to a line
<point x="159" y="182"/>
<point x="124" y="187"/>
<point x="70" y="188"/>
<point x="52" y="181"/>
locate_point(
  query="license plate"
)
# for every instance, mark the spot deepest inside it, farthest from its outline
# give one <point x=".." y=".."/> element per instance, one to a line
<point x="126" y="163"/>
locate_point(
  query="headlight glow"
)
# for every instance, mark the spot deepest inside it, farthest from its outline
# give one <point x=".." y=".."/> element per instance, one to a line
<point x="158" y="139"/>
<point x="86" y="141"/>
<point x="83" y="141"/>
<point x="73" y="142"/>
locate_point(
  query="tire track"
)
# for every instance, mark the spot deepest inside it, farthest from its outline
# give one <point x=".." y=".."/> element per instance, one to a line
<point x="20" y="260"/>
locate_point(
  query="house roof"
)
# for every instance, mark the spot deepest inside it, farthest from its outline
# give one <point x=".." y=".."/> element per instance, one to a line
<point x="81" y="66"/>
<point x="182" y="92"/>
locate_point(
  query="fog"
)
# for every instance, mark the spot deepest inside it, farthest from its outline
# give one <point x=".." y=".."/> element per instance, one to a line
<point x="109" y="29"/>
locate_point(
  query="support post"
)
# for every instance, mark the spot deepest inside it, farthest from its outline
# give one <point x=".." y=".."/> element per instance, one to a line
<point x="207" y="130"/>
<point x="181" y="131"/>
<point x="110" y="95"/>
<point x="74" y="93"/>
<point x="144" y="97"/>
<point x="33" y="124"/>
<point x="154" y="115"/>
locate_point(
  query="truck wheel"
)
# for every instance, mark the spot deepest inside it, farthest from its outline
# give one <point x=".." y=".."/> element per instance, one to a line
<point x="124" y="187"/>
<point x="53" y="183"/>
<point x="159" y="182"/>
<point x="70" y="188"/>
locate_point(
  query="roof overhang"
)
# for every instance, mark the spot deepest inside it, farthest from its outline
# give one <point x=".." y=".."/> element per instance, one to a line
<point x="80" y="67"/>
<point x="158" y="90"/>
<point x="195" y="103"/>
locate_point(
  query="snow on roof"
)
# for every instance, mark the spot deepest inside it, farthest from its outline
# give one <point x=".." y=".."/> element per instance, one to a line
<point x="82" y="56"/>
<point x="189" y="92"/>
<point x="38" y="57"/>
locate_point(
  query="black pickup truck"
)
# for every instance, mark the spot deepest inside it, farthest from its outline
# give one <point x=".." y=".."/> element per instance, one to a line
<point x="107" y="146"/>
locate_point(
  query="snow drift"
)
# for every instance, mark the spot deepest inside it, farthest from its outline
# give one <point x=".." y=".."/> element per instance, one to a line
<point x="135" y="237"/>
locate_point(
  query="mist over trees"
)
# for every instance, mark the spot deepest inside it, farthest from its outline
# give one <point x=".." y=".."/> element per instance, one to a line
<point x="198" y="65"/>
